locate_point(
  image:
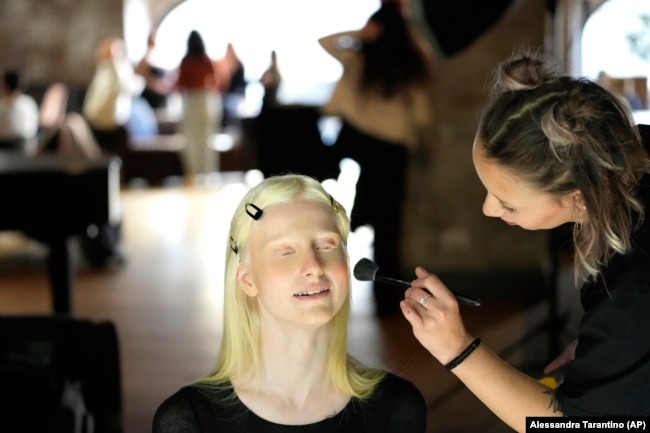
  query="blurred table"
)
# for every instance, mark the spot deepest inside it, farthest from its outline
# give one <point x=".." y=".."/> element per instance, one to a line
<point x="53" y="198"/>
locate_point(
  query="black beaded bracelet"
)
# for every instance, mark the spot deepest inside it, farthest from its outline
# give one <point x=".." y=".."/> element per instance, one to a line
<point x="464" y="354"/>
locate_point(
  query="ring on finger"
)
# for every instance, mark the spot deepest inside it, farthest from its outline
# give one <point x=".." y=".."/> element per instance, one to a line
<point x="423" y="299"/>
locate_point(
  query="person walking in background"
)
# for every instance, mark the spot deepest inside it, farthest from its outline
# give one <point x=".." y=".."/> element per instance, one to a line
<point x="18" y="115"/>
<point x="553" y="150"/>
<point x="284" y="363"/>
<point x="107" y="109"/>
<point x="198" y="82"/>
<point x="384" y="98"/>
<point x="108" y="102"/>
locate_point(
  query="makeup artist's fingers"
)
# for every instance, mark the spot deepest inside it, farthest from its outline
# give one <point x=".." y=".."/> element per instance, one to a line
<point x="436" y="322"/>
<point x="433" y="285"/>
<point x="426" y="287"/>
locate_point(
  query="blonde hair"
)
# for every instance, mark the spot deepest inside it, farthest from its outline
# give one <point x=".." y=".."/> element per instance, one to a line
<point x="240" y="346"/>
<point x="563" y="134"/>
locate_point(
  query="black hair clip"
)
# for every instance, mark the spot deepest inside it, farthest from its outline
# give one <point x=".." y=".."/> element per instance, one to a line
<point x="257" y="214"/>
<point x="233" y="245"/>
<point x="334" y="204"/>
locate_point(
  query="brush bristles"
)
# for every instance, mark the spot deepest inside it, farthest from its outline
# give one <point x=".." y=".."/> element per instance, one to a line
<point x="365" y="270"/>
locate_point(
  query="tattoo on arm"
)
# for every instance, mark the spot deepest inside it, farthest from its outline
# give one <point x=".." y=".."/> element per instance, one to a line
<point x="554" y="404"/>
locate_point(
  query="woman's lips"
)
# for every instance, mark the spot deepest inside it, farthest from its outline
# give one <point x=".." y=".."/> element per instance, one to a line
<point x="312" y="294"/>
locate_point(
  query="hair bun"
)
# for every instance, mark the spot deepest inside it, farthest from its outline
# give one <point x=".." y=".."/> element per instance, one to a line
<point x="524" y="70"/>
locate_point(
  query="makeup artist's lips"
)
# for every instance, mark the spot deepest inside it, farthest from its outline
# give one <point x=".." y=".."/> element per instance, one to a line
<point x="312" y="294"/>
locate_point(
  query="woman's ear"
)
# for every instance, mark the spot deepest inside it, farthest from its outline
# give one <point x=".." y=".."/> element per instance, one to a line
<point x="578" y="201"/>
<point x="245" y="281"/>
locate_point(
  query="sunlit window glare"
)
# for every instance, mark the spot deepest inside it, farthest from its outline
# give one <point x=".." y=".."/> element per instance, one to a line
<point x="604" y="39"/>
<point x="255" y="28"/>
<point x="616" y="42"/>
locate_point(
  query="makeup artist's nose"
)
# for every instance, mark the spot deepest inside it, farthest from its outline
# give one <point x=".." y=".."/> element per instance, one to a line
<point x="492" y="207"/>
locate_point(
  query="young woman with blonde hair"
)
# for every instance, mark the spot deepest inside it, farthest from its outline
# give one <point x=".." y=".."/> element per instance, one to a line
<point x="284" y="363"/>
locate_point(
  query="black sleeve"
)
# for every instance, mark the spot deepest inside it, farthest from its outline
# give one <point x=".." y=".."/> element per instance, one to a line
<point x="176" y="415"/>
<point x="611" y="372"/>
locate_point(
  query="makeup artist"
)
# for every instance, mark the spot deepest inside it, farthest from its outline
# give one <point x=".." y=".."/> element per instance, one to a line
<point x="553" y="150"/>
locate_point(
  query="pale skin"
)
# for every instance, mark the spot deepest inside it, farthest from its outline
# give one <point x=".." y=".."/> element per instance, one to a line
<point x="438" y="326"/>
<point x="297" y="270"/>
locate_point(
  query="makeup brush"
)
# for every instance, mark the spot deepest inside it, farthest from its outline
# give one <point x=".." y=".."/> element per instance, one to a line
<point x="367" y="270"/>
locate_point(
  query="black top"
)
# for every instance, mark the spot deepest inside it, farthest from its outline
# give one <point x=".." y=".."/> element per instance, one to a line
<point x="396" y="406"/>
<point x="611" y="371"/>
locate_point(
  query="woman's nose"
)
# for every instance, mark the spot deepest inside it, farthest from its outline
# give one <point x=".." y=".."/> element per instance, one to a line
<point x="492" y="207"/>
<point x="312" y="264"/>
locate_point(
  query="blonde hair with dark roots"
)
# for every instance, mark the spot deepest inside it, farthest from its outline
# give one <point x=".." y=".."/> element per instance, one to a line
<point x="562" y="134"/>
<point x="239" y="355"/>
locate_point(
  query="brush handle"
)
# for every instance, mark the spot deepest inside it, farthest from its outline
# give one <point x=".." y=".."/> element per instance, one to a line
<point x="402" y="283"/>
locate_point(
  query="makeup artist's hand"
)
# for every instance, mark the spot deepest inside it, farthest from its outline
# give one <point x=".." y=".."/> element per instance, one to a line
<point x="436" y="322"/>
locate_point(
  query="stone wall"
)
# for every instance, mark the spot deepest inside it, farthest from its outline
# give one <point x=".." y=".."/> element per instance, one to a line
<point x="54" y="40"/>
<point x="445" y="228"/>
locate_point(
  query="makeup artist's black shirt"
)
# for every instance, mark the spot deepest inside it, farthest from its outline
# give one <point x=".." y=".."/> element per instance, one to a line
<point x="611" y="372"/>
<point x="396" y="407"/>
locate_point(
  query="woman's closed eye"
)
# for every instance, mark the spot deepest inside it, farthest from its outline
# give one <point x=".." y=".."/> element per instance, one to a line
<point x="328" y="244"/>
<point x="285" y="251"/>
<point x="507" y="209"/>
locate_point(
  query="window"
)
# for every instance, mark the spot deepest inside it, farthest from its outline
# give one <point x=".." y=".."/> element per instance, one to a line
<point x="255" y="28"/>
<point x="605" y="46"/>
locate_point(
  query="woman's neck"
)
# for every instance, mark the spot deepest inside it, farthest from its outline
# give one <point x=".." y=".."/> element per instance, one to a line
<point x="295" y="361"/>
<point x="295" y="387"/>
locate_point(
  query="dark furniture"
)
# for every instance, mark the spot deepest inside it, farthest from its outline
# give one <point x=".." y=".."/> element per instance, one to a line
<point x="52" y="198"/>
<point x="43" y="358"/>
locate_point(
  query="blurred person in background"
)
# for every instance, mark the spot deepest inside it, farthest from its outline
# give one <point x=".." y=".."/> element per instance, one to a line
<point x="108" y="102"/>
<point x="18" y="115"/>
<point x="158" y="82"/>
<point x="384" y="98"/>
<point x="200" y="85"/>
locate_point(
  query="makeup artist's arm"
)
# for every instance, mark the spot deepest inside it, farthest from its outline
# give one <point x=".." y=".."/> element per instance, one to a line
<point x="438" y="326"/>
